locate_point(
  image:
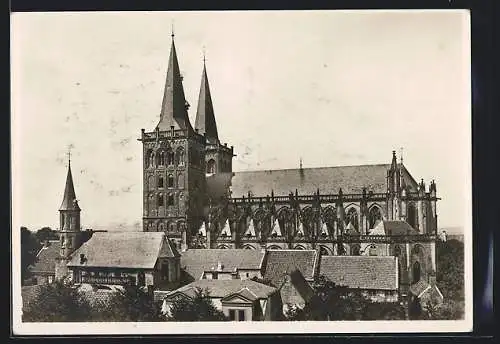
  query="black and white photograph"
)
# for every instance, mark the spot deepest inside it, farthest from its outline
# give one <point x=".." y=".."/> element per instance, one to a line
<point x="241" y="172"/>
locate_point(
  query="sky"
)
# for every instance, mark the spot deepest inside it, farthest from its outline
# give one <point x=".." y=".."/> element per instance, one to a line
<point x="330" y="87"/>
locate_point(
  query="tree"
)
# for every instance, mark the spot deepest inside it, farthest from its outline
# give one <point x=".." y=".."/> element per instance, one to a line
<point x="46" y="233"/>
<point x="450" y="269"/>
<point x="29" y="250"/>
<point x="57" y="302"/>
<point x="130" y="304"/>
<point x="332" y="302"/>
<point x="198" y="308"/>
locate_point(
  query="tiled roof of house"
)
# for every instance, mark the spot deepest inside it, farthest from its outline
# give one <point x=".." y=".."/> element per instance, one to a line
<point x="282" y="262"/>
<point x="364" y="272"/>
<point x="46" y="258"/>
<point x="124" y="249"/>
<point x="223" y="288"/>
<point x="418" y="288"/>
<point x="328" y="180"/>
<point x="295" y="290"/>
<point x="196" y="261"/>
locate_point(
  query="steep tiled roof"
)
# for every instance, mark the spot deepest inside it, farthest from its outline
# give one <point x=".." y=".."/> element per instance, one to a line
<point x="328" y="180"/>
<point x="124" y="249"/>
<point x="364" y="272"/>
<point x="418" y="288"/>
<point x="282" y="262"/>
<point x="196" y="261"/>
<point x="295" y="290"/>
<point x="398" y="228"/>
<point x="223" y="288"/>
<point x="46" y="258"/>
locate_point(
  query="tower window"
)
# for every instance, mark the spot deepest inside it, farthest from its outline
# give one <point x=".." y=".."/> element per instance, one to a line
<point x="170" y="181"/>
<point x="160" y="182"/>
<point x="151" y="159"/>
<point x="160" y="200"/>
<point x="211" y="166"/>
<point x="180" y="156"/>
<point x="170" y="157"/>
<point x="161" y="158"/>
<point x="170" y="199"/>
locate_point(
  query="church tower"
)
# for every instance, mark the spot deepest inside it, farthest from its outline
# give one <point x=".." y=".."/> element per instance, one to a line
<point x="173" y="165"/>
<point x="218" y="157"/>
<point x="69" y="220"/>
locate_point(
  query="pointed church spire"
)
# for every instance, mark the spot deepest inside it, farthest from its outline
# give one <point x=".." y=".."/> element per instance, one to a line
<point x="174" y="106"/>
<point x="69" y="201"/>
<point x="205" y="117"/>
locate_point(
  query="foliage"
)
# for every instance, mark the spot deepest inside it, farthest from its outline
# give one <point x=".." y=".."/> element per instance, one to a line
<point x="46" y="233"/>
<point x="450" y="269"/>
<point x="132" y="304"/>
<point x="199" y="308"/>
<point x="332" y="302"/>
<point x="57" y="302"/>
<point x="29" y="249"/>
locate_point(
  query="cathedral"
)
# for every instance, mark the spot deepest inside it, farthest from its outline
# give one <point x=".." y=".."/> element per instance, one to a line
<point x="191" y="193"/>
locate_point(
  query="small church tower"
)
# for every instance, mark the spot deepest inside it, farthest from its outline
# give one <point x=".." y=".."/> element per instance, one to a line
<point x="69" y="220"/>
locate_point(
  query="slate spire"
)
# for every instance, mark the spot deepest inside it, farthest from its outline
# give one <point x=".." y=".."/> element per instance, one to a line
<point x="174" y="106"/>
<point x="69" y="201"/>
<point x="205" y="117"/>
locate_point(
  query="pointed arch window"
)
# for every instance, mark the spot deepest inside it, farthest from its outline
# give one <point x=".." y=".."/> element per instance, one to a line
<point x="180" y="156"/>
<point x="161" y="227"/>
<point x="170" y="181"/>
<point x="149" y="158"/>
<point x="160" y="200"/>
<point x="374" y="216"/>
<point x="170" y="200"/>
<point x="170" y="157"/>
<point x="412" y="216"/>
<point x="211" y="166"/>
<point x="161" y="182"/>
<point x="160" y="158"/>
<point x="352" y="217"/>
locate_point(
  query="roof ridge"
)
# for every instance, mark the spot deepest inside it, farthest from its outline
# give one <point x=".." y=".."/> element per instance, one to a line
<point x="311" y="168"/>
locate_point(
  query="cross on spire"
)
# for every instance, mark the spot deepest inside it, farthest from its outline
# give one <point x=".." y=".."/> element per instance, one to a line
<point x="69" y="154"/>
<point x="204" y="58"/>
<point x="401" y="154"/>
<point x="173" y="34"/>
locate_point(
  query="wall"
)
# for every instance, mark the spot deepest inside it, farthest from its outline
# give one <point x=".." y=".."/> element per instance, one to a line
<point x="382" y="295"/>
<point x="246" y="308"/>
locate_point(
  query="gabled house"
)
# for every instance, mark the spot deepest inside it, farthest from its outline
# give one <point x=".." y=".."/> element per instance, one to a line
<point x="239" y="300"/>
<point x="127" y="258"/>
<point x="43" y="269"/>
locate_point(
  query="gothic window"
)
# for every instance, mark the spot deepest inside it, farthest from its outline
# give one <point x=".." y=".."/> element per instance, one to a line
<point x="412" y="215"/>
<point x="352" y="217"/>
<point x="211" y="166"/>
<point x="62" y="241"/>
<point x="355" y="251"/>
<point x="69" y="243"/>
<point x="324" y="251"/>
<point x="160" y="200"/>
<point x="372" y="250"/>
<point x="180" y="180"/>
<point x="416" y="272"/>
<point x="170" y="157"/>
<point x="151" y="182"/>
<point x="180" y="156"/>
<point x="160" y="182"/>
<point x="170" y="181"/>
<point x="374" y="216"/>
<point x="151" y="158"/>
<point x="161" y="227"/>
<point x="160" y="158"/>
<point x="397" y="251"/>
<point x="170" y="199"/>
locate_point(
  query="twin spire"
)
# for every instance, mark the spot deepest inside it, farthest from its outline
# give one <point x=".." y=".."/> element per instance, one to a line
<point x="174" y="106"/>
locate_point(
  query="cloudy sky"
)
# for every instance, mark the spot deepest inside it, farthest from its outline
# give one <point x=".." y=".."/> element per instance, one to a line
<point x="332" y="87"/>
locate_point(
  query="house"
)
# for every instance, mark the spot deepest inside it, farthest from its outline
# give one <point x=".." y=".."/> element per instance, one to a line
<point x="375" y="276"/>
<point x="43" y="270"/>
<point x="239" y="300"/>
<point x="126" y="258"/>
<point x="221" y="264"/>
